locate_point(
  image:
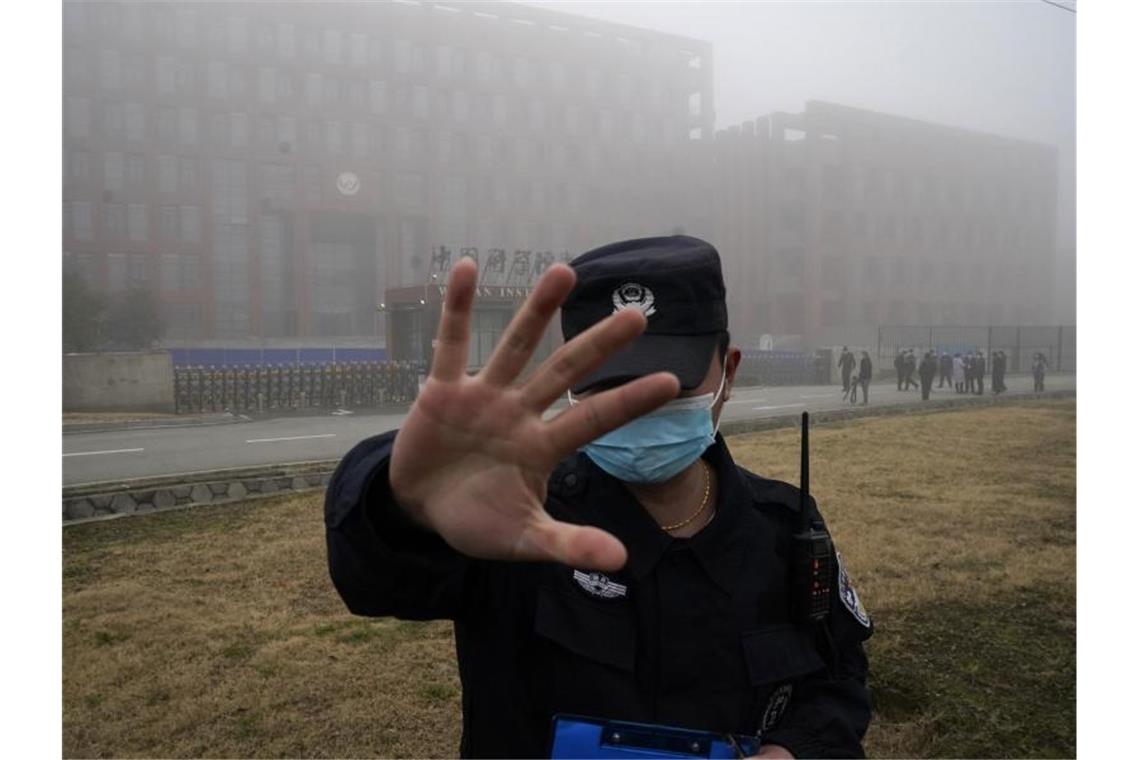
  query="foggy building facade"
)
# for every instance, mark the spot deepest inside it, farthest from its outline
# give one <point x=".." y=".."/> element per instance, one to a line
<point x="836" y="220"/>
<point x="272" y="169"/>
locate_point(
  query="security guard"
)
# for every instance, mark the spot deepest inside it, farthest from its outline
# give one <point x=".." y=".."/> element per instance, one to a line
<point x="612" y="561"/>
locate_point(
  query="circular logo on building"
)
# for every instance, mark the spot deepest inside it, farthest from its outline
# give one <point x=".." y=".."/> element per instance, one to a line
<point x="348" y="183"/>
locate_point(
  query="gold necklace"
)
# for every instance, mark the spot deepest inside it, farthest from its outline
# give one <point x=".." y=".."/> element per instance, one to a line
<point x="700" y="509"/>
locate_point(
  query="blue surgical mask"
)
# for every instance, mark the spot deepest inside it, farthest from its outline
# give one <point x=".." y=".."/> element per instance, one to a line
<point x="658" y="445"/>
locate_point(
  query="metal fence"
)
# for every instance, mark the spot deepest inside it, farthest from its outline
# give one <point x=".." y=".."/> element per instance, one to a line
<point x="1019" y="342"/>
<point x="326" y="385"/>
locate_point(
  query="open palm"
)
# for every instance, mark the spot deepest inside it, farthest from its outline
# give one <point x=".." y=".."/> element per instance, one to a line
<point x="473" y="456"/>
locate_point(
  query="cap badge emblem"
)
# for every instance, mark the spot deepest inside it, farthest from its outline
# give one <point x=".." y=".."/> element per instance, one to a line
<point x="633" y="295"/>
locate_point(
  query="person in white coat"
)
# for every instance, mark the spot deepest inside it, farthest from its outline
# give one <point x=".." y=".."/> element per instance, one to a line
<point x="959" y="374"/>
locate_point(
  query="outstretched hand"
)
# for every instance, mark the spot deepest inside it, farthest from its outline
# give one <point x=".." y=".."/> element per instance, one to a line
<point x="473" y="456"/>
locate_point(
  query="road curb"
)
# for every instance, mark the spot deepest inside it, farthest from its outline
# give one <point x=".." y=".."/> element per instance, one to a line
<point x="833" y="416"/>
<point x="91" y="502"/>
<point x="113" y="427"/>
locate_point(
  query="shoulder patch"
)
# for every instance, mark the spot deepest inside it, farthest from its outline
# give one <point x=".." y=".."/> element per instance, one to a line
<point x="849" y="596"/>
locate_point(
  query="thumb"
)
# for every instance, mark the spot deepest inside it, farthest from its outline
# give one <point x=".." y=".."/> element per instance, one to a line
<point x="574" y="545"/>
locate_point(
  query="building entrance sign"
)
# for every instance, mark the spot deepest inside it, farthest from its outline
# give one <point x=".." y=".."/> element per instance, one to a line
<point x="348" y="183"/>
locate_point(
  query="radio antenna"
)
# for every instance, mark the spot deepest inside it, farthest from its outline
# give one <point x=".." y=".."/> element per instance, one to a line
<point x="804" y="517"/>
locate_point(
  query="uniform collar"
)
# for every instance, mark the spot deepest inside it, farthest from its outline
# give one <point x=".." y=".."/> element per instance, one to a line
<point x="719" y="545"/>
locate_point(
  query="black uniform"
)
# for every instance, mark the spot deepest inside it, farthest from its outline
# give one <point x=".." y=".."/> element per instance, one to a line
<point x="692" y="632"/>
<point x="847" y="365"/>
<point x="926" y="373"/>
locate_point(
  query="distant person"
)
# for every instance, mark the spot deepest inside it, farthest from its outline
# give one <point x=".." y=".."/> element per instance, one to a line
<point x="910" y="364"/>
<point x="980" y="373"/>
<point x="945" y="369"/>
<point x="926" y="372"/>
<point x="846" y="367"/>
<point x="969" y="364"/>
<point x="864" y="375"/>
<point x="1040" y="363"/>
<point x="900" y="366"/>
<point x="998" y="379"/>
<point x="959" y="374"/>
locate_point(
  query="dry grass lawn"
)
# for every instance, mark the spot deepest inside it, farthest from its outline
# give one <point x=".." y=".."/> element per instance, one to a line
<point x="216" y="632"/>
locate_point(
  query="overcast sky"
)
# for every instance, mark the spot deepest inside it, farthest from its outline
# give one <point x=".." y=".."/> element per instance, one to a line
<point x="1002" y="67"/>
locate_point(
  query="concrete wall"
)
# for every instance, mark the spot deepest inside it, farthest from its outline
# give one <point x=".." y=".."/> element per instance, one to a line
<point x="118" y="381"/>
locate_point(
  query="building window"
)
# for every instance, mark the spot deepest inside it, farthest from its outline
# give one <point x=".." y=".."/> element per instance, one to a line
<point x="499" y="110"/>
<point x="331" y="91"/>
<point x="113" y="119"/>
<point x="187" y="126"/>
<point x="420" y="105"/>
<point x="523" y="72"/>
<point x="82" y="225"/>
<point x="332" y="46"/>
<point x="286" y="41"/>
<point x="167" y="125"/>
<point x="78" y="168"/>
<point x="334" y="137"/>
<point x="168" y="223"/>
<point x="138" y="271"/>
<point x="216" y="79"/>
<point x="115" y="220"/>
<point x="277" y="181"/>
<point x="189" y="224"/>
<point x="167" y="174"/>
<point x="116" y="272"/>
<point x="537" y="115"/>
<point x="110" y="70"/>
<point x="179" y="272"/>
<point x="188" y="174"/>
<point x="186" y="23"/>
<point x="460" y="107"/>
<point x="186" y="78"/>
<point x="77" y="117"/>
<point x="359" y="139"/>
<point x="135" y="118"/>
<point x="485" y="67"/>
<point x="237" y="34"/>
<point x="266" y="85"/>
<point x="165" y="76"/>
<point x="239" y="130"/>
<point x="313" y="89"/>
<point x="113" y="171"/>
<point x="137" y="223"/>
<point x="286" y="131"/>
<point x="358" y="49"/>
<point x="403" y="56"/>
<point x="377" y="96"/>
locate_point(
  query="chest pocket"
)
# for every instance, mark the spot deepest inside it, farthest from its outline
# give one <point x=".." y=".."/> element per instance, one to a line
<point x="776" y="653"/>
<point x="601" y="632"/>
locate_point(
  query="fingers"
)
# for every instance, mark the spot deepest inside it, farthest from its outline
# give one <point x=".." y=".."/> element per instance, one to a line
<point x="581" y="356"/>
<point x="518" y="341"/>
<point x="574" y="545"/>
<point x="598" y="414"/>
<point x="450" y="360"/>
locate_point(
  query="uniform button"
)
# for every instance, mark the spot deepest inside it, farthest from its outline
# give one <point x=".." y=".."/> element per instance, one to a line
<point x="570" y="480"/>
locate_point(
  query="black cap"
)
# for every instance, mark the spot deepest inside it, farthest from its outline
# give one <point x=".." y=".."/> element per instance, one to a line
<point x="676" y="282"/>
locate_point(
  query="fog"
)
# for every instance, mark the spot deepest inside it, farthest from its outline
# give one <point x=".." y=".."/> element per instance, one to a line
<point x="303" y="175"/>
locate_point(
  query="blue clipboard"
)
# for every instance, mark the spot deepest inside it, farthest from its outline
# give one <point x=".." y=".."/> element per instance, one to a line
<point x="576" y="736"/>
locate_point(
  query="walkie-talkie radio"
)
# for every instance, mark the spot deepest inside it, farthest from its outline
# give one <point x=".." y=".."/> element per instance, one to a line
<point x="812" y="553"/>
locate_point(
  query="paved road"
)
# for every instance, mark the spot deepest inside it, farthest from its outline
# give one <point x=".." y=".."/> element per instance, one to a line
<point x="95" y="457"/>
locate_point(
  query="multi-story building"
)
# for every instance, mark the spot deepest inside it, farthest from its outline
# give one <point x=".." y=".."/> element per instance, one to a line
<point x="836" y="220"/>
<point x="272" y="169"/>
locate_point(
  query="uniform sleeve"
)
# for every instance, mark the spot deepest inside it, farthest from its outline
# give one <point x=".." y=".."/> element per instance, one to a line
<point x="381" y="562"/>
<point x="830" y="710"/>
